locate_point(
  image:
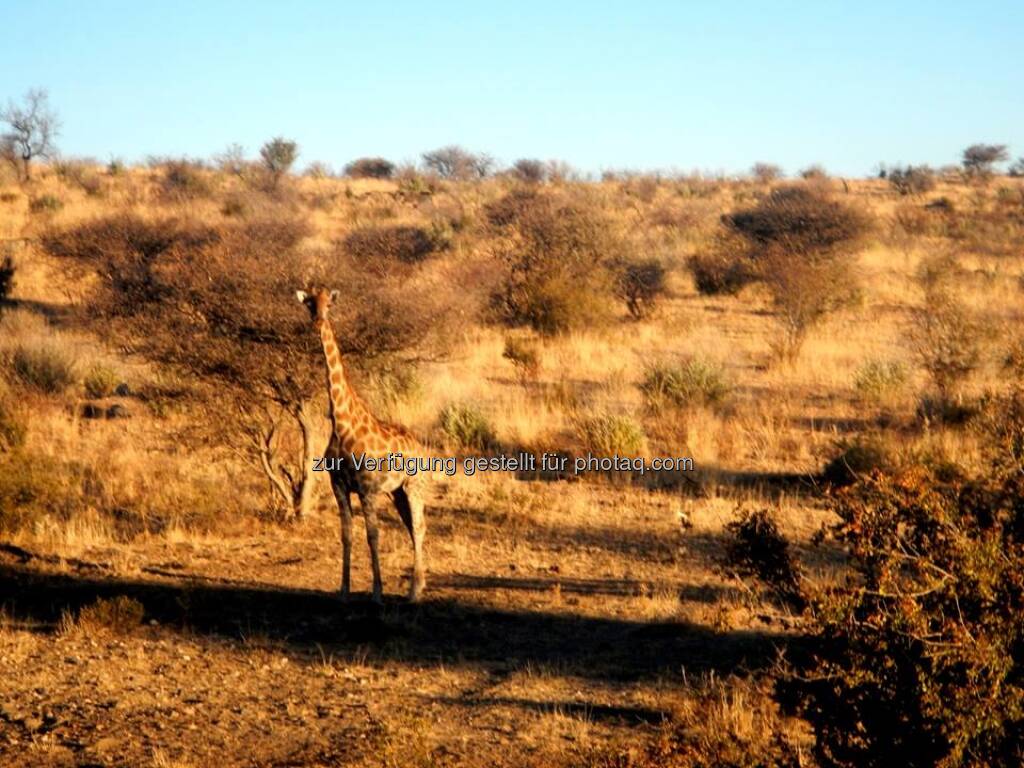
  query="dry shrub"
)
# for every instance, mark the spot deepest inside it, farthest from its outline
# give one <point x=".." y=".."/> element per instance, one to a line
<point x="914" y="221"/>
<point x="45" y="204"/>
<point x="34" y="487"/>
<point x="800" y="220"/>
<point x="946" y="336"/>
<point x="881" y="380"/>
<point x="994" y="231"/>
<point x="43" y="365"/>
<point x="529" y="170"/>
<point x="765" y="173"/>
<point x="183" y="179"/>
<point x="804" y="291"/>
<point x="7" y="270"/>
<point x="235" y="205"/>
<point x="119" y="615"/>
<point x="643" y="188"/>
<point x="915" y="657"/>
<point x="640" y="283"/>
<point x="455" y="163"/>
<point x="916" y="660"/>
<point x="859" y="457"/>
<point x="370" y="168"/>
<point x="912" y="180"/>
<point x="730" y="722"/>
<point x="524" y="356"/>
<point x="723" y="269"/>
<point x="556" y="260"/>
<point x="799" y="244"/>
<point x="757" y="549"/>
<point x="218" y="304"/>
<point x="13" y="425"/>
<point x="406" y="244"/>
<point x="80" y="173"/>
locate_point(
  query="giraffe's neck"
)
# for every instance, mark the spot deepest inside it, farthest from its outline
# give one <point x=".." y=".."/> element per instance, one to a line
<point x="351" y="418"/>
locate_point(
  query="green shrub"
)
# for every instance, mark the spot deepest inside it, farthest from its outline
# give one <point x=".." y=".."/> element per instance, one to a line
<point x="468" y="427"/>
<point x="100" y="381"/>
<point x="45" y="366"/>
<point x="607" y="434"/>
<point x="695" y="381"/>
<point x="881" y="380"/>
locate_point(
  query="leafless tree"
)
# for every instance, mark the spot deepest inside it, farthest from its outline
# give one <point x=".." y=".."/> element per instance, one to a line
<point x="766" y="173"/>
<point x="232" y="160"/>
<point x="34" y="128"/>
<point x="529" y="170"/>
<point x="454" y="162"/>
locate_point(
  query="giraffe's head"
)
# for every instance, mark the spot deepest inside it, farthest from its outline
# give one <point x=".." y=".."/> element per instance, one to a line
<point x="317" y="301"/>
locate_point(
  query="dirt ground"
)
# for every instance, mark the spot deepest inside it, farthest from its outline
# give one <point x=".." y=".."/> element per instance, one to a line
<point x="537" y="643"/>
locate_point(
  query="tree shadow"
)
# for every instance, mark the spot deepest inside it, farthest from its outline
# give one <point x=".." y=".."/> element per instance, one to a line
<point x="708" y="593"/>
<point x="438" y="631"/>
<point x="651" y="545"/>
<point x="57" y="315"/>
<point x="615" y="715"/>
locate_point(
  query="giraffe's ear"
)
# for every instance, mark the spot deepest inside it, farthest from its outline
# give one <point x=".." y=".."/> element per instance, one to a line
<point x="301" y="296"/>
<point x="334" y="295"/>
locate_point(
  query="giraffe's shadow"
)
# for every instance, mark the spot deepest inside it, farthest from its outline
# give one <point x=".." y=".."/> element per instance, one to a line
<point x="437" y="631"/>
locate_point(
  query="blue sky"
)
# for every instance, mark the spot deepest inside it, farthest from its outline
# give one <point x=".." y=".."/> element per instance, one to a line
<point x="685" y="85"/>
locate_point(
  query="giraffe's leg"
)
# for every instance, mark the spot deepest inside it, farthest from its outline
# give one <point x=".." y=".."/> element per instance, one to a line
<point x="410" y="509"/>
<point x="341" y="493"/>
<point x="372" y="538"/>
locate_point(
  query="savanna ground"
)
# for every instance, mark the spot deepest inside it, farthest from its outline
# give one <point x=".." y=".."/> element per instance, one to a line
<point x="159" y="608"/>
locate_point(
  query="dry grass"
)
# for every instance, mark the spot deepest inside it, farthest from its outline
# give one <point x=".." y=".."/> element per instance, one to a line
<point x="587" y="558"/>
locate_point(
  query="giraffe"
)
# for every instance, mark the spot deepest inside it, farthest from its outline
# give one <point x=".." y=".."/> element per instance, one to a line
<point x="355" y="431"/>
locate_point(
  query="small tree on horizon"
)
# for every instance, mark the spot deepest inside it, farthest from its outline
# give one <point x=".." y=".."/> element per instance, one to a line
<point x="765" y="173"/>
<point x="370" y="168"/>
<point x="34" y="127"/>
<point x="529" y="170"/>
<point x="454" y="162"/>
<point x="979" y="159"/>
<point x="278" y="156"/>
